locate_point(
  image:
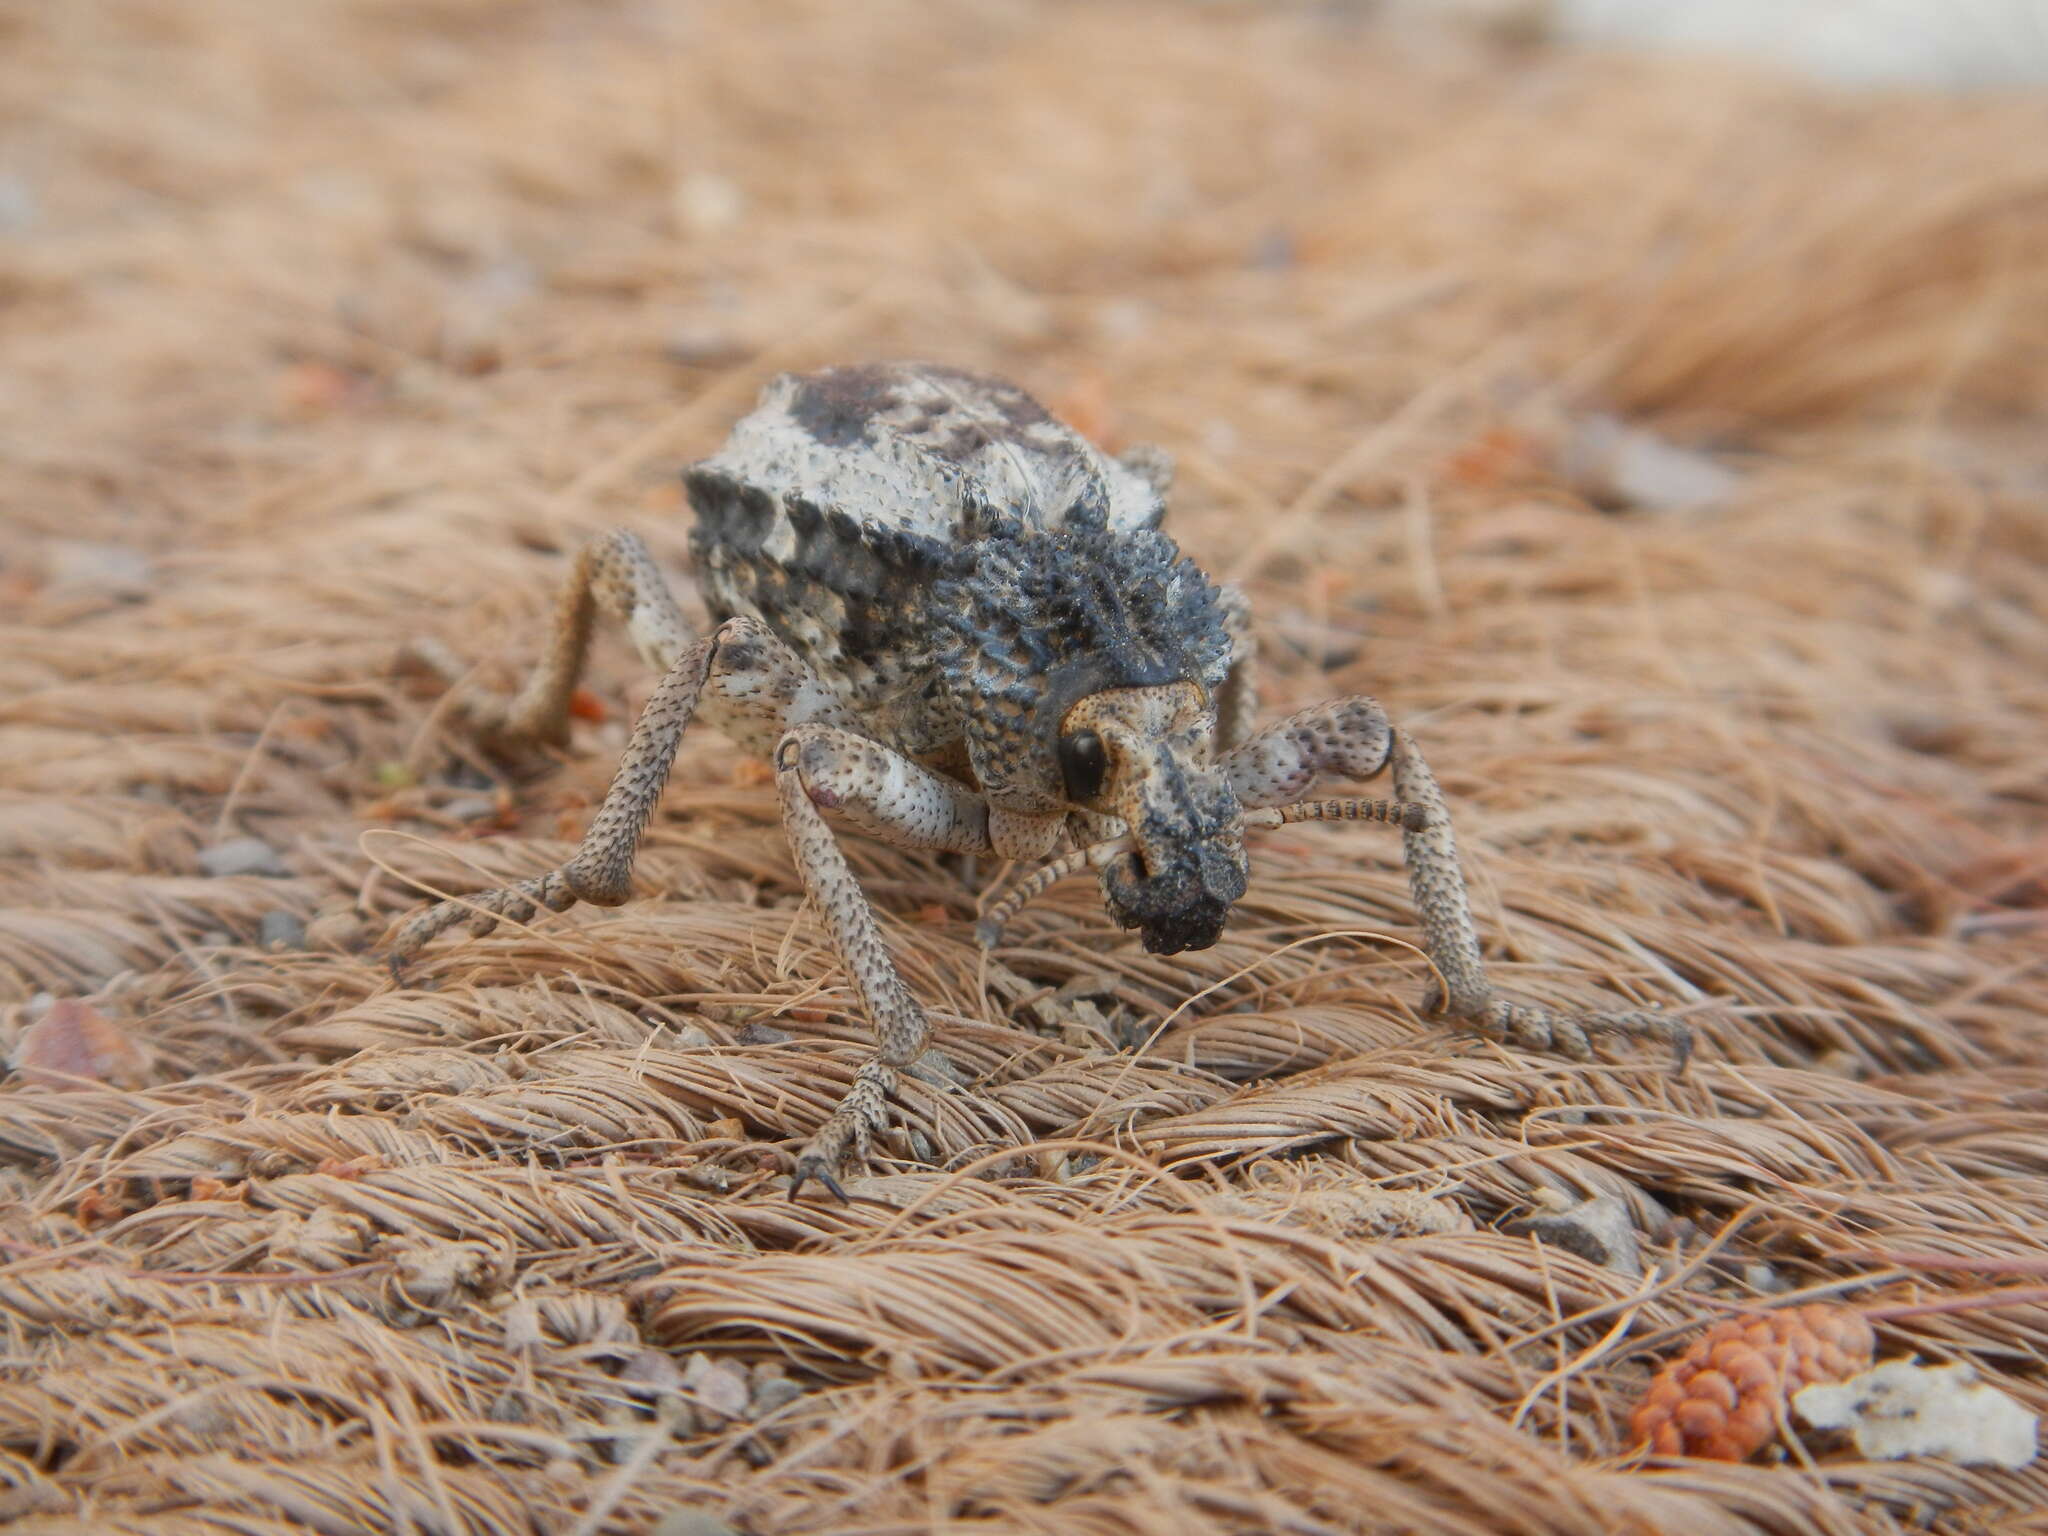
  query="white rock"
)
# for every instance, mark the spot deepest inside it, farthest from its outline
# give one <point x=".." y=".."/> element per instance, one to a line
<point x="241" y="856"/>
<point x="1626" y="464"/>
<point x="1903" y="1408"/>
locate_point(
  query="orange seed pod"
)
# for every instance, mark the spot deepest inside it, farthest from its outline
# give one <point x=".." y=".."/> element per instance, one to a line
<point x="1723" y="1398"/>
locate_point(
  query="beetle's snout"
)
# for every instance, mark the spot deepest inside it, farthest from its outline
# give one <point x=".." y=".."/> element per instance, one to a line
<point x="1158" y="775"/>
<point x="1182" y="906"/>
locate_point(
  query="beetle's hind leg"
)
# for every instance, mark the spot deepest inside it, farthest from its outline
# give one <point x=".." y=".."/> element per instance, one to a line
<point x="615" y="573"/>
<point x="1353" y="739"/>
<point x="744" y="678"/>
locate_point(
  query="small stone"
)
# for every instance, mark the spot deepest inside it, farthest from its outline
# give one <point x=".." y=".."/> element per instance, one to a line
<point x="1628" y="466"/>
<point x="509" y="1407"/>
<point x="436" y="1275"/>
<point x="17" y="205"/>
<point x="1839" y="1061"/>
<point x="773" y="1393"/>
<point x="1903" y="1408"/>
<point x="1274" y="251"/>
<point x="108" y="570"/>
<point x="651" y="1373"/>
<point x="704" y="344"/>
<point x="242" y="856"/>
<point x="763" y="1034"/>
<point x="73" y="1045"/>
<point x="706" y="203"/>
<point x="338" y="930"/>
<point x="521" y="1322"/>
<point x="1597" y="1230"/>
<point x="281" y="930"/>
<point x="718" y="1385"/>
<point x="472" y="808"/>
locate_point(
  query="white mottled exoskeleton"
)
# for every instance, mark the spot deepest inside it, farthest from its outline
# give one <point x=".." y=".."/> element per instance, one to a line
<point x="950" y="622"/>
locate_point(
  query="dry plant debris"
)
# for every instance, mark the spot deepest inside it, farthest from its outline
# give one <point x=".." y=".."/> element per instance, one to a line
<point x="334" y="326"/>
<point x="1724" y="1398"/>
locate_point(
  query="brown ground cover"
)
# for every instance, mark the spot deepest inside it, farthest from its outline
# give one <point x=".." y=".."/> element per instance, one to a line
<point x="328" y="325"/>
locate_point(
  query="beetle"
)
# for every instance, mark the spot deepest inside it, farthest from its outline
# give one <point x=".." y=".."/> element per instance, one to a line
<point x="951" y="622"/>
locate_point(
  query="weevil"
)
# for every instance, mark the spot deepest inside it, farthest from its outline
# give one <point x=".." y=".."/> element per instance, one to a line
<point x="950" y="622"/>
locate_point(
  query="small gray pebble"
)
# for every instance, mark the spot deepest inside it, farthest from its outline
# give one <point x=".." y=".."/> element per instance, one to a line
<point x="651" y="1372"/>
<point x="773" y="1393"/>
<point x="1765" y="1279"/>
<point x="111" y="570"/>
<point x="704" y="344"/>
<point x="718" y="1385"/>
<point x="339" y="930"/>
<point x="1597" y="1230"/>
<point x="241" y="856"/>
<point x="281" y="930"/>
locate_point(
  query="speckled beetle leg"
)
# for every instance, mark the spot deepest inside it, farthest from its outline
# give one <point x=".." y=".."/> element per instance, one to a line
<point x="1438" y="883"/>
<point x="739" y="675"/>
<point x="882" y="793"/>
<point x="1349" y="738"/>
<point x="617" y="574"/>
<point x="1352" y="739"/>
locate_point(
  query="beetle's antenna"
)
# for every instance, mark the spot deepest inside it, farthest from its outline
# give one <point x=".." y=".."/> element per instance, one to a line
<point x="989" y="931"/>
<point x="1395" y="813"/>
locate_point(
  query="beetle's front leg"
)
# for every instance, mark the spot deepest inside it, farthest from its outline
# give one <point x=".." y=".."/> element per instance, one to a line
<point x="1353" y="739"/>
<point x="881" y="792"/>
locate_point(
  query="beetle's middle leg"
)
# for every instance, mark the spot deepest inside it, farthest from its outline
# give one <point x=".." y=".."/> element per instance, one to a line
<point x="1353" y="739"/>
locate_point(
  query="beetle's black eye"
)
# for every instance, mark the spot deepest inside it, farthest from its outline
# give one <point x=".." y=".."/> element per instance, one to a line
<point x="1082" y="762"/>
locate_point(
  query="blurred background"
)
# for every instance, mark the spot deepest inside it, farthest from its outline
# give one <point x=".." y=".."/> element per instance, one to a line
<point x="1959" y="43"/>
<point x="1239" y="226"/>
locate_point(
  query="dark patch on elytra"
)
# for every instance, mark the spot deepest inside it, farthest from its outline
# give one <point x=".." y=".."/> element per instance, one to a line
<point x="1038" y="618"/>
<point x="1017" y="407"/>
<point x="837" y="406"/>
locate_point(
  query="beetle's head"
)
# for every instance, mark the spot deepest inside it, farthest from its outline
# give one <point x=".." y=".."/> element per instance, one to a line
<point x="1082" y="661"/>
<point x="1146" y="755"/>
